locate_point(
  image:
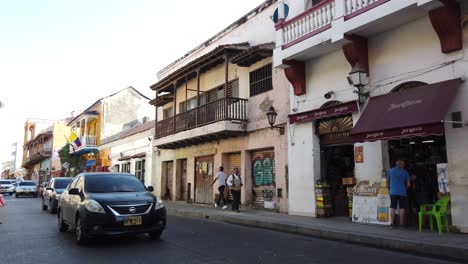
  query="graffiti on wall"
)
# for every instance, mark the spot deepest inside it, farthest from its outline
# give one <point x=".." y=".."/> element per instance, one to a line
<point x="264" y="171"/>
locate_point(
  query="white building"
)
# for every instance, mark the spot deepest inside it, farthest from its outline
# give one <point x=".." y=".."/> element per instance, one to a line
<point x="403" y="45"/>
<point x="131" y="151"/>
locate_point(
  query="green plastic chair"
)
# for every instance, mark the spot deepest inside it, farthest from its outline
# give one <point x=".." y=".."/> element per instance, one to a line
<point x="438" y="210"/>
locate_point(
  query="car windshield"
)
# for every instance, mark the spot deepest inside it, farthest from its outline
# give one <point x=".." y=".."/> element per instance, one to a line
<point x="61" y="183"/>
<point x="5" y="182"/>
<point x="109" y="183"/>
<point x="27" y="184"/>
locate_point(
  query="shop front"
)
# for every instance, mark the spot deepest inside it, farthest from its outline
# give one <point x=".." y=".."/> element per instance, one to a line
<point x="333" y="124"/>
<point x="411" y="126"/>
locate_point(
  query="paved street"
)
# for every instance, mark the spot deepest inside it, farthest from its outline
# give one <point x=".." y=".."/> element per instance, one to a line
<point x="29" y="235"/>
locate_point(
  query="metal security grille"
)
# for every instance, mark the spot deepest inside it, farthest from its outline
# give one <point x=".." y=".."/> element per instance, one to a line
<point x="263" y="177"/>
<point x="260" y="80"/>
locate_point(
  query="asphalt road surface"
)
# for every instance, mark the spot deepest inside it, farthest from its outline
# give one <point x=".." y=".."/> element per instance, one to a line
<point x="29" y="235"/>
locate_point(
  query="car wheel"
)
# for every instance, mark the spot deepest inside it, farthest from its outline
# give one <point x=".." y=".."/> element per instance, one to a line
<point x="81" y="236"/>
<point x="35" y="195"/>
<point x="11" y="194"/>
<point x="155" y="235"/>
<point x="17" y="195"/>
<point x="52" y="210"/>
<point x="61" y="225"/>
<point x="44" y="207"/>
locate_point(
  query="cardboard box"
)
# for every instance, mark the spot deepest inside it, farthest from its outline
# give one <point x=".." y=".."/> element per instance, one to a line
<point x="349" y="181"/>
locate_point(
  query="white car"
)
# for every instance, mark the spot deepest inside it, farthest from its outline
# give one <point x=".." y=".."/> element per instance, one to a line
<point x="6" y="186"/>
<point x="26" y="187"/>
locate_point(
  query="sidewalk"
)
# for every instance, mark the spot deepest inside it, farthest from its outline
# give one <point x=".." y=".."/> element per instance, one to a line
<point x="446" y="246"/>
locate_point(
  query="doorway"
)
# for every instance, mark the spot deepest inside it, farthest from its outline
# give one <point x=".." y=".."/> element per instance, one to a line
<point x="423" y="157"/>
<point x="181" y="183"/>
<point x="337" y="163"/>
<point x="167" y="180"/>
<point x="204" y="170"/>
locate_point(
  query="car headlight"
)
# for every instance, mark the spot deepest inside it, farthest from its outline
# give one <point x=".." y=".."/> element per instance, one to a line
<point x="159" y="204"/>
<point x="94" y="206"/>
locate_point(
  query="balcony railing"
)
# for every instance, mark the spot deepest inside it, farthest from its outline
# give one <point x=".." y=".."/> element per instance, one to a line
<point x="88" y="141"/>
<point x="311" y="22"/>
<point x="319" y="18"/>
<point x="39" y="155"/>
<point x="229" y="108"/>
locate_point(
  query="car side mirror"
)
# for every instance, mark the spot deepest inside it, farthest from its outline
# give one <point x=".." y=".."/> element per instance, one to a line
<point x="150" y="188"/>
<point x="74" y="191"/>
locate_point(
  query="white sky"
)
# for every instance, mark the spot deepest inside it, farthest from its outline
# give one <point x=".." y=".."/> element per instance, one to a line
<point x="57" y="56"/>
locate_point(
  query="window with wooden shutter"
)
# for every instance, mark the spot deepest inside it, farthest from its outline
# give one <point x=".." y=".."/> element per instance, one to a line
<point x="261" y="80"/>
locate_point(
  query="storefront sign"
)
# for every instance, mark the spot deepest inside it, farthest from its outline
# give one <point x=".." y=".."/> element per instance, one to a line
<point x="371" y="203"/>
<point x="425" y="130"/>
<point x="336" y="110"/>
<point x="359" y="154"/>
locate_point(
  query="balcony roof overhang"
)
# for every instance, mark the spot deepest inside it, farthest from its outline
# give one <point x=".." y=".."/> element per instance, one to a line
<point x="163" y="99"/>
<point x="202" y="63"/>
<point x="83" y="150"/>
<point x="253" y="55"/>
<point x="200" y="139"/>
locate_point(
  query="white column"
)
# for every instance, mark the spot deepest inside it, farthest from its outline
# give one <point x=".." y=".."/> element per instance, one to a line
<point x="85" y="132"/>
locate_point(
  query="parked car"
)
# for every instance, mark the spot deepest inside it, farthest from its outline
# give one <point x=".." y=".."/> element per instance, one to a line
<point x="6" y="186"/>
<point x="106" y="204"/>
<point x="52" y="193"/>
<point x="42" y="188"/>
<point x="26" y="187"/>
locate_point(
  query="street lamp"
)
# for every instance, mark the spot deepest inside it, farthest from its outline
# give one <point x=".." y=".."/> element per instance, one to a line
<point x="358" y="78"/>
<point x="271" y="115"/>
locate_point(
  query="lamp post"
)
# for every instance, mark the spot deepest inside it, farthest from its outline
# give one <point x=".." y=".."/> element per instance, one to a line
<point x="358" y="78"/>
<point x="271" y="115"/>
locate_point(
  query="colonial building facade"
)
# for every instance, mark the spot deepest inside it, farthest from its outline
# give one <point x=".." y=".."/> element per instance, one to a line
<point x="409" y="104"/>
<point x="211" y="112"/>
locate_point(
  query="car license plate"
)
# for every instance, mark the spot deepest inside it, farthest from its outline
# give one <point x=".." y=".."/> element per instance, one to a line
<point x="132" y="220"/>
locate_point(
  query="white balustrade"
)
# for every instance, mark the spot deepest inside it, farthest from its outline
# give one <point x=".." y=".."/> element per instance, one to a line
<point x="88" y="141"/>
<point x="313" y="20"/>
<point x="352" y="6"/>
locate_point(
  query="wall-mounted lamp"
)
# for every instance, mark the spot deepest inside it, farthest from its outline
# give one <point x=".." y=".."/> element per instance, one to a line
<point x="271" y="115"/>
<point x="358" y="78"/>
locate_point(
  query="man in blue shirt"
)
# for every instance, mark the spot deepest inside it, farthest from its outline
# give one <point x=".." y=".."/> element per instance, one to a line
<point x="399" y="181"/>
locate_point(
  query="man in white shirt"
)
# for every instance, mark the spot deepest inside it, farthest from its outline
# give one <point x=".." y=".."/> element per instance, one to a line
<point x="235" y="183"/>
<point x="221" y="178"/>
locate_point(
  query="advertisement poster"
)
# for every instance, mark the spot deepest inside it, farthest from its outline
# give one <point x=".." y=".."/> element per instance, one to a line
<point x="442" y="178"/>
<point x="371" y="203"/>
<point x="359" y="154"/>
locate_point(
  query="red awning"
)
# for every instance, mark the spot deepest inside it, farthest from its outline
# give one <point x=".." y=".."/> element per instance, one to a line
<point x="419" y="111"/>
<point x="321" y="113"/>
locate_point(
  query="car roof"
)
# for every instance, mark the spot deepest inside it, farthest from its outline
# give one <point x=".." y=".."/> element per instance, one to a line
<point x="94" y="174"/>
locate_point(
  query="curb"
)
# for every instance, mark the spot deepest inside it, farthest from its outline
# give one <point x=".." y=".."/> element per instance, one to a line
<point x="433" y="250"/>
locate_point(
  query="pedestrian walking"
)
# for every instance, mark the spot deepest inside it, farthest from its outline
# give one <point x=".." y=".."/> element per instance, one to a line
<point x="235" y="183"/>
<point x="399" y="180"/>
<point x="221" y="178"/>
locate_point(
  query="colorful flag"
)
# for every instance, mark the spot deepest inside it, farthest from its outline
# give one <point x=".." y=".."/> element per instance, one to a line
<point x="75" y="140"/>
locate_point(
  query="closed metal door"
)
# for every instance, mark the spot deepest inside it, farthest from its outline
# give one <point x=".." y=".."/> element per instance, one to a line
<point x="263" y="177"/>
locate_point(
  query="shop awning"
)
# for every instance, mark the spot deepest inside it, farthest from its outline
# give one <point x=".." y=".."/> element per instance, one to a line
<point x="419" y="111"/>
<point x="326" y="112"/>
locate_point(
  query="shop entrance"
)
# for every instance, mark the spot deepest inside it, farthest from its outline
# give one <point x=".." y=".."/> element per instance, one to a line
<point x="423" y="157"/>
<point x="337" y="162"/>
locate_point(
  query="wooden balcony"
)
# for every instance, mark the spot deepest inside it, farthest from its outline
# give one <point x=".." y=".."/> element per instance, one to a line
<point x="224" y="109"/>
<point x="38" y="155"/>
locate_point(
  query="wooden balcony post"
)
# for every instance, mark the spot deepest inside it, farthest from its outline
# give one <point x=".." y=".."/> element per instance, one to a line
<point x="175" y="108"/>
<point x="198" y="97"/>
<point x="226" y="83"/>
